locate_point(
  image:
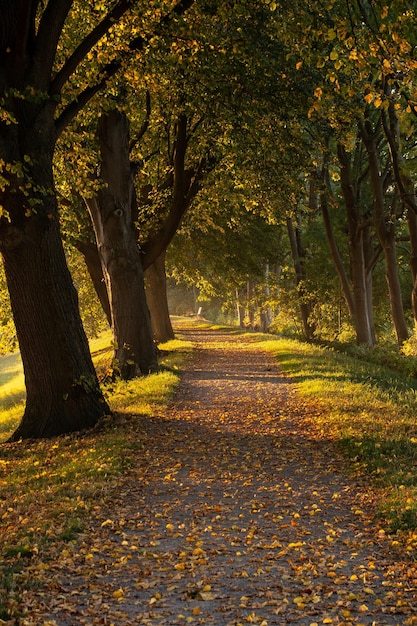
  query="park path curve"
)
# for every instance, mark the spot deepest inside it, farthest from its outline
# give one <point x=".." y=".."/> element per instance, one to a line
<point x="232" y="515"/>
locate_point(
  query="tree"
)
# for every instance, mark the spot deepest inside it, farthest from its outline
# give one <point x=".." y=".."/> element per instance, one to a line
<point x="112" y="212"/>
<point x="38" y="86"/>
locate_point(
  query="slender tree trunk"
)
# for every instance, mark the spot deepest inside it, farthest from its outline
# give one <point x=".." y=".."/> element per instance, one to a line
<point x="412" y="229"/>
<point x="93" y="263"/>
<point x="156" y="296"/>
<point x="111" y="214"/>
<point x="406" y="190"/>
<point x="240" y="310"/>
<point x="385" y="228"/>
<point x="336" y="256"/>
<point x="305" y="307"/>
<point x="362" y="299"/>
<point x="249" y="304"/>
<point x="370" y="259"/>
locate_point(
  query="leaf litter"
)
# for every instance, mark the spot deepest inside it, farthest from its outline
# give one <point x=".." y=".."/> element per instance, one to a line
<point x="235" y="512"/>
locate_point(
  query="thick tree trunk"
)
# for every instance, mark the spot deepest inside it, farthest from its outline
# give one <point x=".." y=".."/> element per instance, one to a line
<point x="111" y="214"/>
<point x="363" y="319"/>
<point x="62" y="392"/>
<point x="156" y="296"/>
<point x="93" y="263"/>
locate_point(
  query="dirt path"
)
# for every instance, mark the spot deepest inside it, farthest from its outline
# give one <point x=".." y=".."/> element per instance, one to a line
<point x="233" y="515"/>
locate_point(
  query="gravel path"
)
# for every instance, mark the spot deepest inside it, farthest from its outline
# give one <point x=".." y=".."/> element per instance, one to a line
<point x="233" y="515"/>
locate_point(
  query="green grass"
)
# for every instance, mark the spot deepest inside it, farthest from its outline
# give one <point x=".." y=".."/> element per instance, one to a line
<point x="51" y="487"/>
<point x="12" y="393"/>
<point x="369" y="411"/>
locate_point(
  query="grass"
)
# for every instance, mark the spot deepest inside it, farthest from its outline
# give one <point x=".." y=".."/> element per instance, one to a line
<point x="370" y="412"/>
<point x="50" y="487"/>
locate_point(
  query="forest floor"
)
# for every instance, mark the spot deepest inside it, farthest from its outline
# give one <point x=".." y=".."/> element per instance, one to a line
<point x="234" y="513"/>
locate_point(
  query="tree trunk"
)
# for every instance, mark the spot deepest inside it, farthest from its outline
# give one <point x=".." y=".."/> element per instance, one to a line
<point x="370" y="258"/>
<point x="362" y="299"/>
<point x="412" y="229"/>
<point x="407" y="191"/>
<point x="305" y="307"/>
<point x="111" y="214"/>
<point x="62" y="391"/>
<point x="250" y="305"/>
<point x="93" y="263"/>
<point x="156" y="296"/>
<point x="385" y="228"/>
<point x="240" y="310"/>
<point x="336" y="256"/>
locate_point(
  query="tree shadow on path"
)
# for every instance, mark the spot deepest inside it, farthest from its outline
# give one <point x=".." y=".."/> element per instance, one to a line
<point x="233" y="514"/>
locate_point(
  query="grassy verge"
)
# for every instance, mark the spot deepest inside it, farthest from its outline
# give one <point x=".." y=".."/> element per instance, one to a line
<point x="49" y="488"/>
<point x="370" y="412"/>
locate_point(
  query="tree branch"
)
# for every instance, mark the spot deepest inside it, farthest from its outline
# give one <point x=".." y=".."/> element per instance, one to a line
<point x="111" y="68"/>
<point x="145" y="124"/>
<point x="47" y="38"/>
<point x="87" y="44"/>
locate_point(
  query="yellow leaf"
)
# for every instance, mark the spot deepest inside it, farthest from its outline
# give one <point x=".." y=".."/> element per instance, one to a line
<point x="298" y="65"/>
<point x="108" y="522"/>
<point x="206" y="596"/>
<point x="119" y="593"/>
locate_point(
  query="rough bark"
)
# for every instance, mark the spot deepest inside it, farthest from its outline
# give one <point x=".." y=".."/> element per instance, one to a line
<point x="62" y="391"/>
<point x="156" y="296"/>
<point x="111" y="214"/>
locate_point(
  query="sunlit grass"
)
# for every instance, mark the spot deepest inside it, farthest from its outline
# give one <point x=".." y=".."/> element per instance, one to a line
<point x="367" y="409"/>
<point x="12" y="393"/>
